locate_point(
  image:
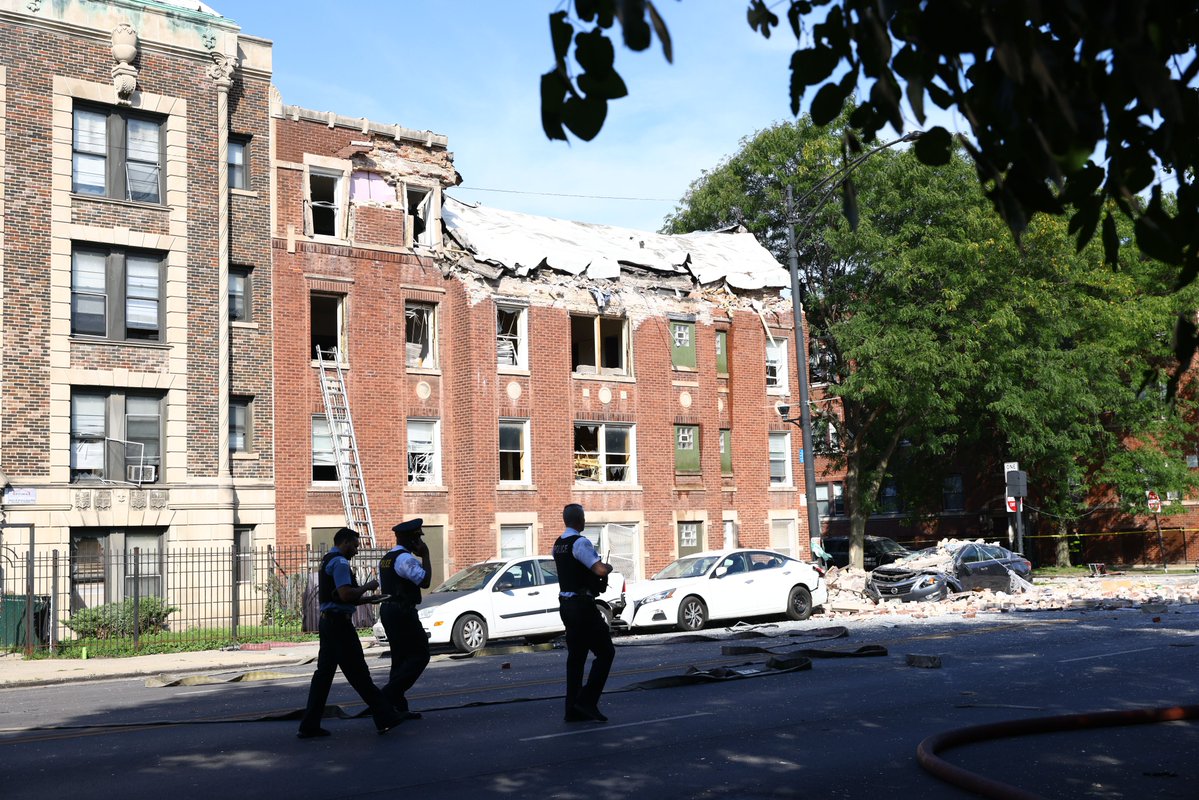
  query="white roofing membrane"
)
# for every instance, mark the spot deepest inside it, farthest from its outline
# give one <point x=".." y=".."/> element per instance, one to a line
<point x="523" y="242"/>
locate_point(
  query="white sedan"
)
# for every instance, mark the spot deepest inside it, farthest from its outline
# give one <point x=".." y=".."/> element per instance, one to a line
<point x="500" y="599"/>
<point x="726" y="584"/>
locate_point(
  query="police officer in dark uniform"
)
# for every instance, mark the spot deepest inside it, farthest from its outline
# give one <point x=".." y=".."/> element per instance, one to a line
<point x="339" y="593"/>
<point x="582" y="576"/>
<point x="403" y="572"/>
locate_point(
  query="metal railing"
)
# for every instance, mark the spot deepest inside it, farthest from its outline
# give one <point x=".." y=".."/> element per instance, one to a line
<point x="146" y="601"/>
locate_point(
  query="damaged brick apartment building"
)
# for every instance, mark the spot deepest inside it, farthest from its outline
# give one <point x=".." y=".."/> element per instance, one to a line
<point x="212" y="284"/>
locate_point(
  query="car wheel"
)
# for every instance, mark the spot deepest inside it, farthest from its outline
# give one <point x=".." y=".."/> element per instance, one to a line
<point x="470" y="633"/>
<point x="606" y="613"/>
<point x="799" y="603"/>
<point x="693" y="614"/>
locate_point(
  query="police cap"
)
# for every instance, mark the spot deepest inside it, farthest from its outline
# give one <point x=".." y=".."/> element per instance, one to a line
<point x="410" y="528"/>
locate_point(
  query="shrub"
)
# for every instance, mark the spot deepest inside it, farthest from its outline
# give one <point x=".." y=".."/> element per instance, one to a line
<point x="116" y="620"/>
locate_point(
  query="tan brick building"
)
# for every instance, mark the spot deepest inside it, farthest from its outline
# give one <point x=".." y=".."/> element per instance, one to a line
<point x="134" y="199"/>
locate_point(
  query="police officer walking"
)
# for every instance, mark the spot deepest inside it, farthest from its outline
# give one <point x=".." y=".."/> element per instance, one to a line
<point x="403" y="572"/>
<point x="339" y="593"/>
<point x="582" y="576"/>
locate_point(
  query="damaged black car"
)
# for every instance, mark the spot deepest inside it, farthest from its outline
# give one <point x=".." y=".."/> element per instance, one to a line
<point x="952" y="566"/>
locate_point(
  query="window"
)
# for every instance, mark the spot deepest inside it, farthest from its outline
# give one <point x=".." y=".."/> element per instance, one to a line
<point x="241" y="424"/>
<point x="620" y="544"/>
<point x="603" y="453"/>
<point x="722" y="352"/>
<point x="421" y="214"/>
<point x="514" y="451"/>
<point x="835" y="507"/>
<point x="730" y="532"/>
<point x="691" y="538"/>
<point x="511" y="336"/>
<point x="143" y="564"/>
<point x="112" y="564"/>
<point x="782" y="535"/>
<point x="599" y="345"/>
<point x="821" y="365"/>
<point x="325" y="202"/>
<point x="116" y="437"/>
<point x="780" y="459"/>
<point x="239" y="176"/>
<point x="682" y="344"/>
<point x="243" y="553"/>
<point x="516" y="540"/>
<point x="117" y="154"/>
<point x="889" y="501"/>
<point x="726" y="451"/>
<point x="324" y="460"/>
<point x="424" y="462"/>
<point x="239" y="294"/>
<point x="116" y="294"/>
<point x="420" y="335"/>
<point x="776" y="365"/>
<point x="326" y="324"/>
<point x="951" y="493"/>
<point x="686" y="448"/>
<point x="1193" y="460"/>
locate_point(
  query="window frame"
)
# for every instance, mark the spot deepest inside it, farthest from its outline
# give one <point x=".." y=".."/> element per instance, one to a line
<point x="114" y="441"/>
<point x="682" y="344"/>
<point x="244" y="276"/>
<point x="524" y="453"/>
<point x="339" y="314"/>
<point x="597" y="339"/>
<point x="603" y="467"/>
<point x="327" y="467"/>
<point x="722" y="353"/>
<point x="726" y="451"/>
<point x="116" y="160"/>
<point x="243" y="406"/>
<point x="118" y="284"/>
<point x="339" y="174"/>
<point x="525" y="530"/>
<point x="687" y="454"/>
<point x="693" y="527"/>
<point x="778" y="381"/>
<point x="239" y="143"/>
<point x="428" y="358"/>
<point x="243" y="555"/>
<point x="952" y="487"/>
<point x="434" y="472"/>
<point x="519" y="338"/>
<point x="773" y="457"/>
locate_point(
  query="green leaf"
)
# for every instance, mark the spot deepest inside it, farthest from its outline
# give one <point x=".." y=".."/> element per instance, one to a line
<point x="934" y="146"/>
<point x="663" y="33"/>
<point x="561" y="32"/>
<point x="594" y="51"/>
<point x="761" y="18"/>
<point x="1111" y="242"/>
<point x="584" y="116"/>
<point x="849" y="203"/>
<point x="608" y="85"/>
<point x="632" y="23"/>
<point x="1155" y="239"/>
<point x="812" y="65"/>
<point x="553" y="92"/>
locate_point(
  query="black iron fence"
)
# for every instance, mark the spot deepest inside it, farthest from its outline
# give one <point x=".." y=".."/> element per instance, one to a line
<point x="83" y="604"/>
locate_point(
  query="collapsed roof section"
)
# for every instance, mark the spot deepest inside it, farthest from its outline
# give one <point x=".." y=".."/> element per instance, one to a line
<point x="520" y="244"/>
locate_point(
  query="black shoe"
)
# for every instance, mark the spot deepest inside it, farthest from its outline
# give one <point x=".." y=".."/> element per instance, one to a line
<point x="575" y="716"/>
<point x="386" y="726"/>
<point x="410" y="715"/>
<point x="316" y="734"/>
<point x="588" y="712"/>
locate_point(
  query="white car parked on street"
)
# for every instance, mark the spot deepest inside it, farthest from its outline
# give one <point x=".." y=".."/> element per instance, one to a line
<point x="726" y="584"/>
<point x="499" y="599"/>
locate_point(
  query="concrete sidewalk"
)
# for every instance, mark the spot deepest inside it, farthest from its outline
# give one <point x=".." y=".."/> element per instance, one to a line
<point x="16" y="670"/>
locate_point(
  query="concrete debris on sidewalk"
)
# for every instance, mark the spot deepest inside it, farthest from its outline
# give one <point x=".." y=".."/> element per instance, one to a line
<point x="1149" y="593"/>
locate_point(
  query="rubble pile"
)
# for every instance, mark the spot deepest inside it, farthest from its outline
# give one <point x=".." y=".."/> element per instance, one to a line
<point x="1148" y="592"/>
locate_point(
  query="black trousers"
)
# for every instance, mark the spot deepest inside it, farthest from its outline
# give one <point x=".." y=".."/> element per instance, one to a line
<point x="409" y="651"/>
<point x="340" y="647"/>
<point x="586" y="632"/>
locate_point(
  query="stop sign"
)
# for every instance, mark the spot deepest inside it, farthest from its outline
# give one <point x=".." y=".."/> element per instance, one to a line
<point x="1153" y="501"/>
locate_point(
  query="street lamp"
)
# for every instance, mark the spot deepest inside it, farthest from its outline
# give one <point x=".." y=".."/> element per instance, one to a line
<point x="828" y="185"/>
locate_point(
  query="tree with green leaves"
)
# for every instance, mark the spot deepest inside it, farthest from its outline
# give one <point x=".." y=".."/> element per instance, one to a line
<point x="1076" y="109"/>
<point x="939" y="336"/>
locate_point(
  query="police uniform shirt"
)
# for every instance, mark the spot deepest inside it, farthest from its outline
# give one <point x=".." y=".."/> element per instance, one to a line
<point x="339" y="568"/>
<point x="583" y="551"/>
<point x="408" y="566"/>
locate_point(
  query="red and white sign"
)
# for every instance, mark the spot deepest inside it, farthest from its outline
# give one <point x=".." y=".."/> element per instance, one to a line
<point x="1153" y="501"/>
<point x="1015" y="504"/>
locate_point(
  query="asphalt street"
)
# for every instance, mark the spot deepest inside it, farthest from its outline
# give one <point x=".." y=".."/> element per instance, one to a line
<point x="492" y="727"/>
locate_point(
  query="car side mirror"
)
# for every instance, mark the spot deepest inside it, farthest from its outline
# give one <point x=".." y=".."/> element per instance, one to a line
<point x="502" y="586"/>
<point x="720" y="572"/>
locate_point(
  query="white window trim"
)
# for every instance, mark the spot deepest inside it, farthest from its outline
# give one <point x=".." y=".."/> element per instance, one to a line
<point x="783" y="369"/>
<point x="432" y="235"/>
<point x="788" y="478"/>
<point x="527" y="550"/>
<point x="435" y="473"/>
<point x="631" y="475"/>
<point x="526" y="459"/>
<point x="522" y="335"/>
<point x="334" y="168"/>
<point x="433" y="362"/>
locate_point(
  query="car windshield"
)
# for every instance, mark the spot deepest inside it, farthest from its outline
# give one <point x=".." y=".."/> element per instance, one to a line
<point x="892" y="547"/>
<point x="691" y="567"/>
<point x="471" y="578"/>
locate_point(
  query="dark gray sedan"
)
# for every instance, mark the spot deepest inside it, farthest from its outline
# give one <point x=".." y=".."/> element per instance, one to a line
<point x="950" y="567"/>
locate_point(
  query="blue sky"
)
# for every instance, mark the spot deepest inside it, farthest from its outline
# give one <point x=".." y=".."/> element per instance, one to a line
<point x="470" y="69"/>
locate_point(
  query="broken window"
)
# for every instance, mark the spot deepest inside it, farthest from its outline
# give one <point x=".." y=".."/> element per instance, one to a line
<point x="420" y="335"/>
<point x="776" y="365"/>
<point x="514" y="450"/>
<point x="682" y="344"/>
<point x="511" y="336"/>
<point x="424" y="458"/>
<point x="599" y="345"/>
<point x="603" y="453"/>
<point x="326" y="325"/>
<point x="686" y="448"/>
<point x="421" y="214"/>
<point x="780" y="459"/>
<point x="324" y="202"/>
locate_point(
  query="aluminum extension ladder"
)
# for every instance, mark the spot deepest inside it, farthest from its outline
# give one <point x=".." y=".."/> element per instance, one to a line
<point x="345" y="446"/>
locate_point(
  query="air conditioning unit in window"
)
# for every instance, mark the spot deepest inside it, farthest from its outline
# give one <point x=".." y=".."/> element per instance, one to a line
<point x="140" y="473"/>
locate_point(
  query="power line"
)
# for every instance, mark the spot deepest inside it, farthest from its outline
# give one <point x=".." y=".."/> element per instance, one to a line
<point x="579" y="196"/>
